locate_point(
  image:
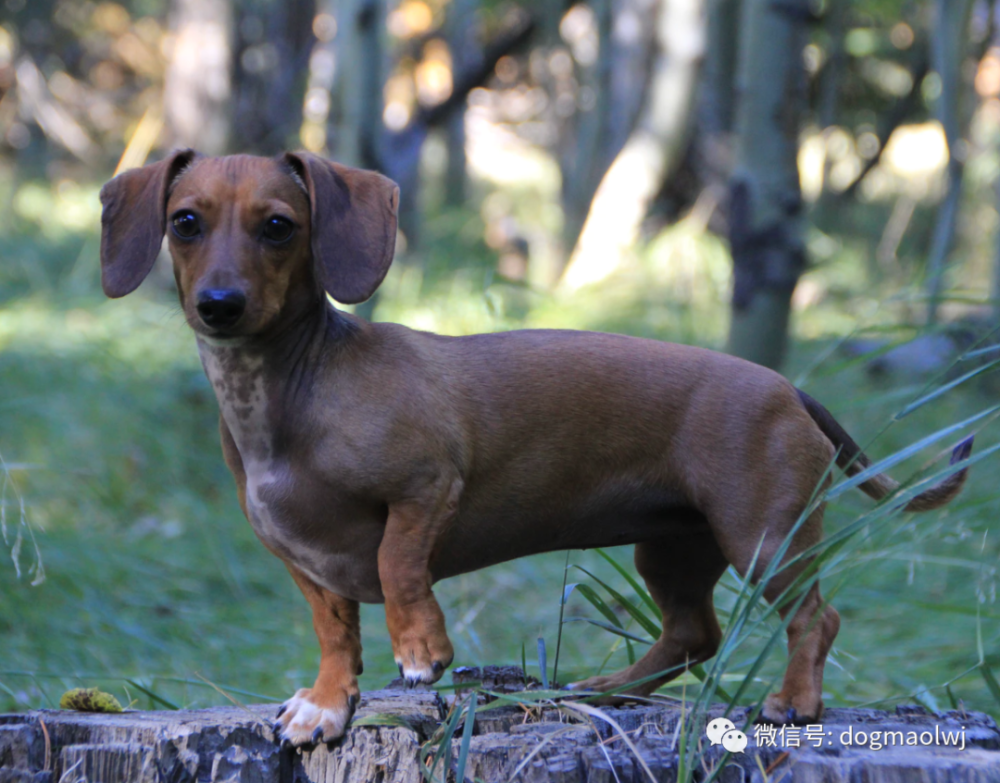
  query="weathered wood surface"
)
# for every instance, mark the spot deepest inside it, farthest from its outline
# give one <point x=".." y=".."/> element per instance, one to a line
<point x="236" y="744"/>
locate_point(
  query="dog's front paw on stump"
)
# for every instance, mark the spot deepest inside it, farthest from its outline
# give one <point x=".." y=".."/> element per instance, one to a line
<point x="420" y="644"/>
<point x="308" y="719"/>
<point x="780" y="710"/>
<point x="423" y="659"/>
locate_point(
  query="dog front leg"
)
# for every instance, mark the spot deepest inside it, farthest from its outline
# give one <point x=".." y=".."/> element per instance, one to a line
<point x="321" y="713"/>
<point x="416" y="623"/>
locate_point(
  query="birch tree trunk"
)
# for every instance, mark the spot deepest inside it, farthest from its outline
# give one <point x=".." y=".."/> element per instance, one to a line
<point x="949" y="42"/>
<point x="271" y="74"/>
<point x="766" y="214"/>
<point x="198" y="83"/>
<point x="613" y="80"/>
<point x="356" y="123"/>
<point x="465" y="53"/>
<point x="653" y="149"/>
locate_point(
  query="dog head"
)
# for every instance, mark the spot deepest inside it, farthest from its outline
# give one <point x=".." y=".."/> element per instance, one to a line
<point x="250" y="237"/>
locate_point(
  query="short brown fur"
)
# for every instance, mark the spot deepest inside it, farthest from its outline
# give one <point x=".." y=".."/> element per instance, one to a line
<point x="375" y="460"/>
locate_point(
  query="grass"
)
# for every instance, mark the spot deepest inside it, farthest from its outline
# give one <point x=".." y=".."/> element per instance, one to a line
<point x="155" y="583"/>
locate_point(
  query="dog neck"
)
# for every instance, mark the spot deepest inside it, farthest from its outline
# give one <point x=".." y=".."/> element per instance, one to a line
<point x="261" y="380"/>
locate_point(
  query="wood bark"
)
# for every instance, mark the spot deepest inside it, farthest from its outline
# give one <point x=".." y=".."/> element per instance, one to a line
<point x="236" y="744"/>
<point x="949" y="43"/>
<point x="274" y="44"/>
<point x="765" y="210"/>
<point x="466" y="53"/>
<point x="198" y="83"/>
<point x="611" y="92"/>
<point x="651" y="152"/>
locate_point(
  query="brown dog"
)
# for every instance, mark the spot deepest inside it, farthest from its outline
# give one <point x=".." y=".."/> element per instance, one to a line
<point x="375" y="460"/>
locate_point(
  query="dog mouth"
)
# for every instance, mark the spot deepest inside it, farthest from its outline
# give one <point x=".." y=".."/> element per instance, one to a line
<point x="229" y="334"/>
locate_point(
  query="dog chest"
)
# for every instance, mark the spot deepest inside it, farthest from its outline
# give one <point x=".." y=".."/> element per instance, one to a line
<point x="294" y="513"/>
<point x="331" y="542"/>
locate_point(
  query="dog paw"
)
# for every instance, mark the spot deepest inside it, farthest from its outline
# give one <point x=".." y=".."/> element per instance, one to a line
<point x="423" y="660"/>
<point x="306" y="719"/>
<point x="781" y="711"/>
<point x="601" y="685"/>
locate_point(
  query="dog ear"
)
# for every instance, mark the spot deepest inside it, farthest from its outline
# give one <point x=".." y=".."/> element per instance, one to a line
<point x="133" y="221"/>
<point x="353" y="224"/>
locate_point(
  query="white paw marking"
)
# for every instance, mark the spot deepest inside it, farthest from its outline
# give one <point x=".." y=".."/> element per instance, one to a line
<point x="301" y="718"/>
<point x="425" y="674"/>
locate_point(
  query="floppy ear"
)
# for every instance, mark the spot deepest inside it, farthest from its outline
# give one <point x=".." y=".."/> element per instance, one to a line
<point x="133" y="221"/>
<point x="353" y="225"/>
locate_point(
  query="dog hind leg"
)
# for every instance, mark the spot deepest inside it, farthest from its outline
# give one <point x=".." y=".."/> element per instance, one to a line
<point x="813" y="626"/>
<point x="680" y="573"/>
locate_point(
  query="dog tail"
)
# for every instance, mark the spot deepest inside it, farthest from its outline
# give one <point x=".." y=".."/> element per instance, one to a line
<point x="853" y="460"/>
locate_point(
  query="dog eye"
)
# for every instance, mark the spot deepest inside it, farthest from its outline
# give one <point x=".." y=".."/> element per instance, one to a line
<point x="186" y="225"/>
<point x="277" y="229"/>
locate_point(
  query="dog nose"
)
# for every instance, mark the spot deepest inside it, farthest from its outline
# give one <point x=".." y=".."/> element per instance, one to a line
<point x="221" y="308"/>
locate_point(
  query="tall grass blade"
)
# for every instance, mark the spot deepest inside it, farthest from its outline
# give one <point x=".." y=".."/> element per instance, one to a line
<point x="649" y="626"/>
<point x="594" y="712"/>
<point x="942" y="390"/>
<point x="153" y="696"/>
<point x="562" y="609"/>
<point x="596" y="601"/>
<point x="990" y="679"/>
<point x="384" y="719"/>
<point x="543" y="663"/>
<point x="615" y="629"/>
<point x="644" y="595"/>
<point x="884" y="464"/>
<point x="470" y="722"/>
<point x="443" y="736"/>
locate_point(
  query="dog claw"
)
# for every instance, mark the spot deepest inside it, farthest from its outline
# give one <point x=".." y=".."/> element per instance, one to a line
<point x="286" y="744"/>
<point x="317" y="736"/>
<point x="276" y="727"/>
<point x="791" y="716"/>
<point x="400" y="667"/>
<point x="281" y="710"/>
<point x="352" y="703"/>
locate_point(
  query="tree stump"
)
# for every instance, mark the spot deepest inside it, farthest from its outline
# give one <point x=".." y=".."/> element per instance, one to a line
<point x="543" y="745"/>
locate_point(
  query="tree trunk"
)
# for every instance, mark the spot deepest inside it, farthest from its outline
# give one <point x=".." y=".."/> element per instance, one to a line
<point x="628" y="187"/>
<point x="465" y="54"/>
<point x="509" y="743"/>
<point x="198" y="86"/>
<point x="356" y="122"/>
<point x="611" y="92"/>
<point x="274" y="47"/>
<point x="949" y="41"/>
<point x="765" y="210"/>
<point x="356" y="134"/>
<point x="718" y="102"/>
